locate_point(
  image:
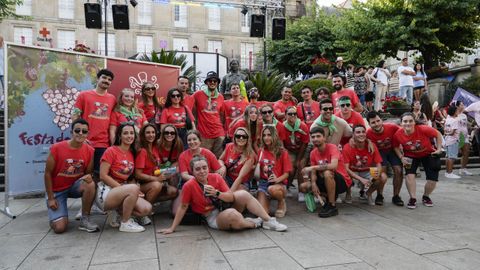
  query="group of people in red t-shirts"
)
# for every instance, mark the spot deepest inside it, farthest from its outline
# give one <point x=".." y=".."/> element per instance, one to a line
<point x="211" y="156"/>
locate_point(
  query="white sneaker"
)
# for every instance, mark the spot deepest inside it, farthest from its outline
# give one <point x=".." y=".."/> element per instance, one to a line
<point x="274" y="225"/>
<point x="113" y="219"/>
<point x="130" y="226"/>
<point x="370" y="200"/>
<point x="465" y="172"/>
<point x="301" y="197"/>
<point x="144" y="221"/>
<point x="452" y="176"/>
<point x="257" y="221"/>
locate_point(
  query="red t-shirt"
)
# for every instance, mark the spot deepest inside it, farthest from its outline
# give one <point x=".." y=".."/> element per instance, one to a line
<point x="259" y="103"/>
<point x="148" y="110"/>
<point x="330" y="152"/>
<point x="189" y="101"/>
<point x="270" y="164"/>
<point x="96" y="109"/>
<point x="164" y="154"/>
<point x="186" y="156"/>
<point x="355" y="119"/>
<point x="119" y="118"/>
<point x="417" y="144"/>
<point x="360" y="160"/>
<point x="232" y="110"/>
<point x="294" y="145"/>
<point x="384" y="139"/>
<point x="345" y="92"/>
<point x="176" y="116"/>
<point x="193" y="195"/>
<point x="280" y="129"/>
<point x="230" y="157"/>
<point x="209" y="124"/>
<point x="70" y="164"/>
<point x="312" y="112"/>
<point x="281" y="106"/>
<point x="142" y="161"/>
<point x="121" y="163"/>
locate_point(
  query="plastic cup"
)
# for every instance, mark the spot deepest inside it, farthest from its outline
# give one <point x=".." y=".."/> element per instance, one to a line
<point x="408" y="162"/>
<point x="374" y="172"/>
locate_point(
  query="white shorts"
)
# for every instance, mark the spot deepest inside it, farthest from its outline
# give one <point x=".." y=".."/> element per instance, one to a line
<point x="212" y="219"/>
<point x="102" y="192"/>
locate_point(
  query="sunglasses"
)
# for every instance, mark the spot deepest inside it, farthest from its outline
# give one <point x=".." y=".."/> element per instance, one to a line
<point x="80" y="131"/>
<point x="345" y="105"/>
<point x="150" y="89"/>
<point x="212" y="81"/>
<point x="327" y="109"/>
<point x="267" y="112"/>
<point x="241" y="136"/>
<point x="291" y="113"/>
<point x="176" y="96"/>
<point x="172" y="133"/>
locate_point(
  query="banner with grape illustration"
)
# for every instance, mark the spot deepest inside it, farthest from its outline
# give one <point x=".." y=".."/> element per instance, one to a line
<point x="42" y="88"/>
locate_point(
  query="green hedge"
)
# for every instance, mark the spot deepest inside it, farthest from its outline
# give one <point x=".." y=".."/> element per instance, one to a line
<point x="313" y="83"/>
<point x="471" y="84"/>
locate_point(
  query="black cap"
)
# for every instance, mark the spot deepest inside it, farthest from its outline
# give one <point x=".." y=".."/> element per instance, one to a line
<point x="211" y="75"/>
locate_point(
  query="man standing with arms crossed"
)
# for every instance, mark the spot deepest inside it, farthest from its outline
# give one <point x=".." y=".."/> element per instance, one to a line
<point x="405" y="81"/>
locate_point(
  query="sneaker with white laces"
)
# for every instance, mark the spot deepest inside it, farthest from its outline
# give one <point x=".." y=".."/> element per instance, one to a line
<point x="113" y="219"/>
<point x="130" y="226"/>
<point x="465" y="172"/>
<point x="274" y="225"/>
<point x="301" y="197"/>
<point x="87" y="225"/>
<point x="144" y="221"/>
<point x="257" y="221"/>
<point x="452" y="175"/>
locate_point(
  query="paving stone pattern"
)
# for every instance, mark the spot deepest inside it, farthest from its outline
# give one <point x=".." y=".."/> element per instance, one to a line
<point x="446" y="236"/>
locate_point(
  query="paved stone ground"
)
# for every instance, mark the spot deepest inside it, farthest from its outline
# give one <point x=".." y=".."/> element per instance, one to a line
<point x="446" y="236"/>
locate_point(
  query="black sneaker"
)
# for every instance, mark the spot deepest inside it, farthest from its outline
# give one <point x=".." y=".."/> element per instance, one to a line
<point x="397" y="200"/>
<point x="328" y="211"/>
<point x="412" y="203"/>
<point x="379" y="199"/>
<point x="427" y="201"/>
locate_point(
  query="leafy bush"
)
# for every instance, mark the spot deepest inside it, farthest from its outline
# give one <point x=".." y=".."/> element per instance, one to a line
<point x="471" y="84"/>
<point x="269" y="85"/>
<point x="312" y="83"/>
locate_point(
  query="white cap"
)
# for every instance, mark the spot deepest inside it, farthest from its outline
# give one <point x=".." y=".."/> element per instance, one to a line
<point x="339" y="59"/>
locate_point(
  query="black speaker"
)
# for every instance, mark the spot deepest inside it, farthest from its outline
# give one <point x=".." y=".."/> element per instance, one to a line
<point x="120" y="17"/>
<point x="257" y="25"/>
<point x="278" y="28"/>
<point x="93" y="15"/>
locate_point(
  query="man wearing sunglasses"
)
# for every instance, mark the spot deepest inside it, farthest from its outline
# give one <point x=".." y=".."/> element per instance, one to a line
<point x="335" y="127"/>
<point x="338" y="84"/>
<point x="209" y="108"/>
<point x="352" y="117"/>
<point x="68" y="175"/>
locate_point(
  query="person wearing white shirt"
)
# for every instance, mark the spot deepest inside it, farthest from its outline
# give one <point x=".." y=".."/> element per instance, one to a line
<point x="381" y="76"/>
<point x="405" y="79"/>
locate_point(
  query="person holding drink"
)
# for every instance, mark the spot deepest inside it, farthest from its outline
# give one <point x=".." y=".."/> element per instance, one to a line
<point x="412" y="144"/>
<point x="364" y="166"/>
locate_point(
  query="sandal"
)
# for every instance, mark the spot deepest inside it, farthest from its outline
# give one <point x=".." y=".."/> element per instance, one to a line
<point x="281" y="212"/>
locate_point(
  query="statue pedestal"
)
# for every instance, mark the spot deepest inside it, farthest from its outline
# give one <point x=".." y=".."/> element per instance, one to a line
<point x="436" y="90"/>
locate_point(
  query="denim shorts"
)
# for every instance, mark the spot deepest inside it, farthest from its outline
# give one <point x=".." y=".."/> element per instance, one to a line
<point x="61" y="197"/>
<point x="390" y="158"/>
<point x="263" y="186"/>
<point x="452" y="151"/>
<point x="230" y="182"/>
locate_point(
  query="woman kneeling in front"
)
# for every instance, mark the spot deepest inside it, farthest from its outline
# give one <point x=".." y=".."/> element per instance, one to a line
<point x="207" y="190"/>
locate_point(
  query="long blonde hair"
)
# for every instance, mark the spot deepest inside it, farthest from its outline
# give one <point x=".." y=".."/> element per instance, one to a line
<point x="277" y="146"/>
<point x="248" y="150"/>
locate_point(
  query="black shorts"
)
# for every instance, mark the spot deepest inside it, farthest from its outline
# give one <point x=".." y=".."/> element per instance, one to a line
<point x="431" y="165"/>
<point x="340" y="184"/>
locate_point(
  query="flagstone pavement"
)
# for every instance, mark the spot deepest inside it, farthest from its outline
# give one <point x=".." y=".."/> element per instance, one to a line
<point x="446" y="236"/>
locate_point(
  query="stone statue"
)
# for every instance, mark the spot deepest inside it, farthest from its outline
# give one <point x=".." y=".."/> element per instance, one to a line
<point x="233" y="76"/>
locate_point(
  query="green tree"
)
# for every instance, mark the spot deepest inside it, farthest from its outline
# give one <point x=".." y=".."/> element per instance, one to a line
<point x="305" y="38"/>
<point x="438" y="29"/>
<point x="7" y="8"/>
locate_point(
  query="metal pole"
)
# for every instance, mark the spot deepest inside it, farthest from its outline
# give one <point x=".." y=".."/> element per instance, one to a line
<point x="105" y="4"/>
<point x="265" y="40"/>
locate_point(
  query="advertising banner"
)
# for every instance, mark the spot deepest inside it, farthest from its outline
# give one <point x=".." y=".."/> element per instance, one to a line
<point x="42" y="86"/>
<point x="466" y="98"/>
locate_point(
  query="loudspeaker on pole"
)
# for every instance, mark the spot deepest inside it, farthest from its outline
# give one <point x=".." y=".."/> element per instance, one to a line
<point x="257" y="25"/>
<point x="278" y="28"/>
<point x="120" y="17"/>
<point x="93" y="15"/>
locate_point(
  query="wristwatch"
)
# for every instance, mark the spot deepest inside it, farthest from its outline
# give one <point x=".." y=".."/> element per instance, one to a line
<point x="217" y="193"/>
